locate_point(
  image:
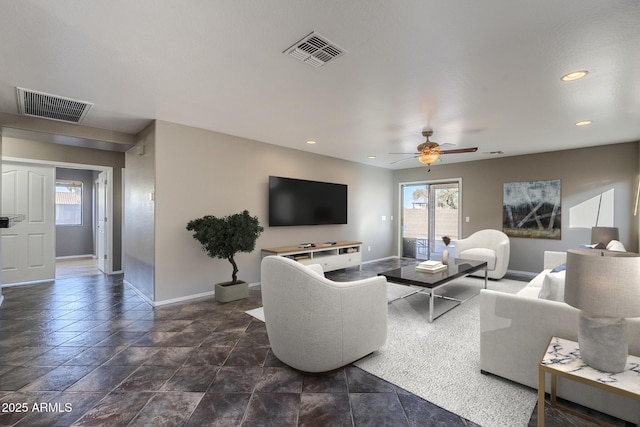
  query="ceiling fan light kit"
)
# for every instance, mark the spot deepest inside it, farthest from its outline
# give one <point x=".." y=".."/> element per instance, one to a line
<point x="428" y="158"/>
<point x="429" y="152"/>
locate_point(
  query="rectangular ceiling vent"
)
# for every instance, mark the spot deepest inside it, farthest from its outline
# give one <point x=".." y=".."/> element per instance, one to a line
<point x="315" y="50"/>
<point x="53" y="107"/>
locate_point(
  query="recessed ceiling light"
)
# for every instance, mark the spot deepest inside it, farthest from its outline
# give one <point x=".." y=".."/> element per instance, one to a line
<point x="310" y="141"/>
<point x="574" y="75"/>
<point x="371" y="157"/>
<point x="583" y="123"/>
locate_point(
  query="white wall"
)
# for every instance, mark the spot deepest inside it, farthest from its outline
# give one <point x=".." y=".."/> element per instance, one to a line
<point x="199" y="172"/>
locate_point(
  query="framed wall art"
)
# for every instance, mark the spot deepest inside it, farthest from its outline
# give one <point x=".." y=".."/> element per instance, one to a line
<point x="532" y="209"/>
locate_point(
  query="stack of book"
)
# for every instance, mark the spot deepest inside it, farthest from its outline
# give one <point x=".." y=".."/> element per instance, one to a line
<point x="431" y="266"/>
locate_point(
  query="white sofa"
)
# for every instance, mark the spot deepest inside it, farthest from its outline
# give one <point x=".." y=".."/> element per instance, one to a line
<point x="488" y="245"/>
<point x="315" y="324"/>
<point x="515" y="331"/>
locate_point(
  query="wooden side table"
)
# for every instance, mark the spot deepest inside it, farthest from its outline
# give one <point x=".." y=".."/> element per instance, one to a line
<point x="562" y="359"/>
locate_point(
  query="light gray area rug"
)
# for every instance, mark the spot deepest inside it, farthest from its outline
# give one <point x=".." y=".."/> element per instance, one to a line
<point x="258" y="313"/>
<point x="440" y="361"/>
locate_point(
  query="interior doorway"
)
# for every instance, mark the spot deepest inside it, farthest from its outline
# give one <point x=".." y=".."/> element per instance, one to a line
<point x="428" y="212"/>
<point x="80" y="203"/>
<point x="51" y="254"/>
<point x="76" y="267"/>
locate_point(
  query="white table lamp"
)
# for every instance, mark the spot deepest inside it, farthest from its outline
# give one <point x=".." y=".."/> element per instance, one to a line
<point x="605" y="286"/>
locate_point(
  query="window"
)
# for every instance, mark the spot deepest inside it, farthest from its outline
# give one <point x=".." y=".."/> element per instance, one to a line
<point x="68" y="202"/>
<point x="430" y="210"/>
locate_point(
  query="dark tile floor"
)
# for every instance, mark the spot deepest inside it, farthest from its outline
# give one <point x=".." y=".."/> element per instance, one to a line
<point x="89" y="351"/>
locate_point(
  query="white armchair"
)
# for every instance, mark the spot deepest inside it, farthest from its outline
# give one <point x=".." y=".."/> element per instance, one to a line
<point x="315" y="324"/>
<point x="487" y="245"/>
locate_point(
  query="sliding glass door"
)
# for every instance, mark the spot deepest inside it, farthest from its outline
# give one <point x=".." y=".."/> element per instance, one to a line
<point x="428" y="212"/>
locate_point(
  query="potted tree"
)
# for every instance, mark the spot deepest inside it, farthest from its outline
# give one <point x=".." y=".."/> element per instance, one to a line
<point x="223" y="238"/>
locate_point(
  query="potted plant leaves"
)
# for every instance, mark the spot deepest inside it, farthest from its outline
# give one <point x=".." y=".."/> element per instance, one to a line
<point x="223" y="238"/>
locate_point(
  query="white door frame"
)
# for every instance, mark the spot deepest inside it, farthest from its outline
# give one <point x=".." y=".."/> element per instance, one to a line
<point x="108" y="231"/>
<point x="426" y="182"/>
<point x="101" y="218"/>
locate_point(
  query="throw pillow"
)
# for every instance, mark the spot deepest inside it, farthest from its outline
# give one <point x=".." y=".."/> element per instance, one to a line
<point x="615" y="245"/>
<point x="558" y="269"/>
<point x="553" y="286"/>
<point x="594" y="246"/>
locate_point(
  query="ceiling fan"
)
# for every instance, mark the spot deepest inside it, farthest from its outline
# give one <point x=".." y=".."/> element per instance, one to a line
<point x="429" y="151"/>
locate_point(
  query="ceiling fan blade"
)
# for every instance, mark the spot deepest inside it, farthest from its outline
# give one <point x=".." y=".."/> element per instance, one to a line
<point x="402" y="160"/>
<point x="404" y="153"/>
<point x="460" y="150"/>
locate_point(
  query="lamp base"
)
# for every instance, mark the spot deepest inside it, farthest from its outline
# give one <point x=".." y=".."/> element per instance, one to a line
<point x="604" y="342"/>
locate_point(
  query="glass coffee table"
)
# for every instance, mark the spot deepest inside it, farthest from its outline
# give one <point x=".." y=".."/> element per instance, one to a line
<point x="433" y="281"/>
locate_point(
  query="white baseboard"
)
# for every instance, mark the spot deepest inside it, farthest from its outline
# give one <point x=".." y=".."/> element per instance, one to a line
<point x="140" y="294"/>
<point x="380" y="259"/>
<point x="71" y="257"/>
<point x="34" y="282"/>
<point x="179" y="299"/>
<point x="183" y="299"/>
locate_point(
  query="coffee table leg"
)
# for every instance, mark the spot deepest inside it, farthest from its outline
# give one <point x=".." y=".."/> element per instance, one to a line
<point x="431" y="306"/>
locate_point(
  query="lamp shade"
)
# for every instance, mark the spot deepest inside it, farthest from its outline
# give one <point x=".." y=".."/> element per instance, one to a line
<point x="604" y="234"/>
<point x="603" y="283"/>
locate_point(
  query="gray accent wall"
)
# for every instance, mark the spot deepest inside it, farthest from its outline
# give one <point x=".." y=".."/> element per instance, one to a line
<point x="200" y="172"/>
<point x="139" y="214"/>
<point x="584" y="173"/>
<point x="77" y="240"/>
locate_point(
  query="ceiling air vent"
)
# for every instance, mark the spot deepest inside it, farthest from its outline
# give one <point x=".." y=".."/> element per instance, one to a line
<point x="53" y="107"/>
<point x="314" y="50"/>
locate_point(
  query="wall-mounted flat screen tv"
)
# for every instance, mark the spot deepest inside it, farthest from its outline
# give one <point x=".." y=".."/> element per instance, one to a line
<point x="302" y="202"/>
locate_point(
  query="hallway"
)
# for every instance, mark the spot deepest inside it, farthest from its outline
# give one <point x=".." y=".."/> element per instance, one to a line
<point x="76" y="267"/>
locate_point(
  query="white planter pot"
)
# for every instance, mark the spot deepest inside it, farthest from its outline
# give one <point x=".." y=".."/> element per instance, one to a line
<point x="226" y="292"/>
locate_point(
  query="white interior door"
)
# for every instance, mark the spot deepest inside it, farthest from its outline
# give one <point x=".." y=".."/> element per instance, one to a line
<point x="28" y="248"/>
<point x="101" y="213"/>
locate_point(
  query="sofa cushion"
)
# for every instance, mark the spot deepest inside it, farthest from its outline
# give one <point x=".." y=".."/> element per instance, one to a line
<point x="553" y="286"/>
<point x="480" y="254"/>
<point x="529" y="292"/>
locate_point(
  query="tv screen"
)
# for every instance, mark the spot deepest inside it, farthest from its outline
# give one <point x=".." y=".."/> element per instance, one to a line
<point x="302" y="202"/>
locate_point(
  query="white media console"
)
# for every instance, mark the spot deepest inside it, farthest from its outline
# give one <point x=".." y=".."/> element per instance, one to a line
<point x="331" y="256"/>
